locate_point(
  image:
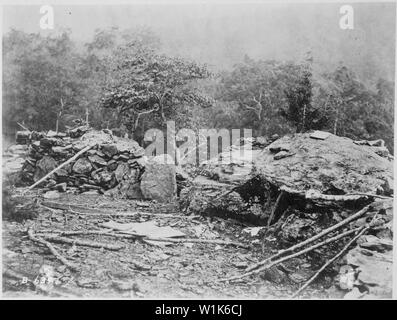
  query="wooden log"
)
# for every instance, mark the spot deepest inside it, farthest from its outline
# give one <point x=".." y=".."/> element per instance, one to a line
<point x="313" y="195"/>
<point x="276" y="205"/>
<point x="132" y="236"/>
<point x="23" y="127"/>
<point x="57" y="255"/>
<point x="294" y="255"/>
<point x="329" y="262"/>
<point x="78" y="154"/>
<point x="97" y="212"/>
<point x="74" y="233"/>
<point x="189" y="240"/>
<point x="314" y="238"/>
<point x="84" y="243"/>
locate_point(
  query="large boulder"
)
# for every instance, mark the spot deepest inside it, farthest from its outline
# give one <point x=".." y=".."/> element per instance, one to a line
<point x="158" y="182"/>
<point x="335" y="165"/>
<point x="374" y="269"/>
<point x="329" y="165"/>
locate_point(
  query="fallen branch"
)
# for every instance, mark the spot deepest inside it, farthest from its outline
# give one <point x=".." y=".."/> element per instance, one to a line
<point x="89" y="233"/>
<point x="294" y="255"/>
<point x="57" y="255"/>
<point x="73" y="233"/>
<point x="314" y="238"/>
<point x="329" y="262"/>
<point x="133" y="236"/>
<point x="97" y="212"/>
<point x="315" y="195"/>
<point x="23" y="127"/>
<point x="224" y="194"/>
<point x="280" y="196"/>
<point x="84" y="243"/>
<point x="186" y="240"/>
<point x="78" y="154"/>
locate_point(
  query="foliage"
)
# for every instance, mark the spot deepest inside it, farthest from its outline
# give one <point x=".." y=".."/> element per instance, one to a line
<point x="301" y="112"/>
<point x="40" y="79"/>
<point x="257" y="89"/>
<point x="121" y="79"/>
<point x="146" y="83"/>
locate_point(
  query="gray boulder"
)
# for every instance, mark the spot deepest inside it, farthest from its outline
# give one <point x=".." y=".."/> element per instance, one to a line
<point x="82" y="165"/>
<point x="159" y="182"/>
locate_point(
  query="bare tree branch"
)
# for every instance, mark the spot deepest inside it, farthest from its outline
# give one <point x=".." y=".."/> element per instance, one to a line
<point x="142" y="113"/>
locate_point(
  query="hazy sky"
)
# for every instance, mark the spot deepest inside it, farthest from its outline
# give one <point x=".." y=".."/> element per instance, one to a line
<point x="221" y="34"/>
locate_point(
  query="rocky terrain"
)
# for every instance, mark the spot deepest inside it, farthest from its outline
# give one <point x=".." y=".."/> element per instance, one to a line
<point x="306" y="215"/>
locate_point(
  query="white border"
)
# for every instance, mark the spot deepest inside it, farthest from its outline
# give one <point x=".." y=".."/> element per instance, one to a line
<point x="188" y="2"/>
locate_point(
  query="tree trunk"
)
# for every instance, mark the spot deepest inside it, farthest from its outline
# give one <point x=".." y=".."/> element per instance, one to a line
<point x="86" y="117"/>
<point x="303" y="119"/>
<point x="336" y="119"/>
<point x="59" y="115"/>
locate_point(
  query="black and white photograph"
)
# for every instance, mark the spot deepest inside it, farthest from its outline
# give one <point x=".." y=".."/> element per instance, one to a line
<point x="198" y="150"/>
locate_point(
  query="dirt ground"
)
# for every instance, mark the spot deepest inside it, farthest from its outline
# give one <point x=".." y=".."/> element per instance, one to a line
<point x="140" y="270"/>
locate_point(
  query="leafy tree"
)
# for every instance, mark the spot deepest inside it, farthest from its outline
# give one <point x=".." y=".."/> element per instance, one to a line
<point x="255" y="90"/>
<point x="301" y="111"/>
<point x="120" y="79"/>
<point x="152" y="86"/>
<point x="41" y="80"/>
<point x="352" y="108"/>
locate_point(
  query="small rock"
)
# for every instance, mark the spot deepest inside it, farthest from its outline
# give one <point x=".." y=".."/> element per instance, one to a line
<point x="91" y="192"/>
<point x="82" y="165"/>
<point x="51" y="183"/>
<point x="141" y="266"/>
<point x="112" y="165"/>
<point x="371" y="242"/>
<point x="26" y="250"/>
<point x="105" y="178"/>
<point x="346" y="277"/>
<point x="88" y="283"/>
<point x="125" y="285"/>
<point x="97" y="160"/>
<point x="240" y="264"/>
<point x="61" y="269"/>
<point x="109" y="150"/>
<point x="253" y="231"/>
<point x="282" y="154"/>
<point x="273" y="274"/>
<point x="321" y="135"/>
<point x="354" y="294"/>
<point x="121" y="171"/>
<point x="53" y="194"/>
<point x="278" y="148"/>
<point x="62" y="173"/>
<point x="61" y="187"/>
